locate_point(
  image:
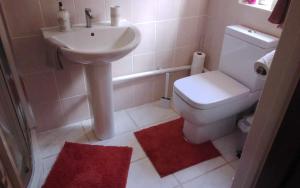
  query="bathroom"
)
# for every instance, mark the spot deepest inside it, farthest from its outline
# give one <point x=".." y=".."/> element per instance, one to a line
<point x="108" y="105"/>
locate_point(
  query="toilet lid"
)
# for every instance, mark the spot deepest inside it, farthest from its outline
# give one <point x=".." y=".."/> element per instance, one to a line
<point x="210" y="89"/>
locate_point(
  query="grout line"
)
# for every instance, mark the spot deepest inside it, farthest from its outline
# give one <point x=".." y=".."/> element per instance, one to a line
<point x="230" y="164"/>
<point x="154" y="123"/>
<point x="135" y="123"/>
<point x="57" y="90"/>
<point x="232" y="167"/>
<point x="49" y="156"/>
<point x="169" y="19"/>
<point x="42" y="13"/>
<point x="155" y="41"/>
<point x="145" y="157"/>
<point x="57" y="128"/>
<point x="80" y="95"/>
<point x="152" y="52"/>
<point x="177" y="180"/>
<point x="26" y="36"/>
<point x="137" y="160"/>
<point x="106" y="11"/>
<point x="209" y="171"/>
<point x="59" y="100"/>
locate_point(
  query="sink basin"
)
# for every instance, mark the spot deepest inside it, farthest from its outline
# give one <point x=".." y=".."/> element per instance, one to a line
<point x="96" y="48"/>
<point x="101" y="43"/>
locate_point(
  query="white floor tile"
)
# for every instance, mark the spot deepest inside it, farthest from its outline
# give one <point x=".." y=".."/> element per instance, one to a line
<point x="179" y="186"/>
<point x="219" y="178"/>
<point x="47" y="166"/>
<point x="199" y="169"/>
<point x="88" y="130"/>
<point x="235" y="164"/>
<point x="51" y="142"/>
<point x="143" y="175"/>
<point x="125" y="140"/>
<point x="150" y="114"/>
<point x="228" y="145"/>
<point x="123" y="124"/>
<point x="208" y="174"/>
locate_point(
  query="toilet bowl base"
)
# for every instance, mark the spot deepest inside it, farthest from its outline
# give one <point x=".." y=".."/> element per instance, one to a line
<point x="198" y="134"/>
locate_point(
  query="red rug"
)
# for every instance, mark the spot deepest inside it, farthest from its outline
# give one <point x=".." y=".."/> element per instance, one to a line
<point x="169" y="152"/>
<point x="88" y="166"/>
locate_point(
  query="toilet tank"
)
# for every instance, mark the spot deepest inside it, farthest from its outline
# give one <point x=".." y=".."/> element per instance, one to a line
<point x="242" y="47"/>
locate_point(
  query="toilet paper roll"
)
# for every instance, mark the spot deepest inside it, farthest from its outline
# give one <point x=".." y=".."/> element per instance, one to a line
<point x="198" y="63"/>
<point x="262" y="65"/>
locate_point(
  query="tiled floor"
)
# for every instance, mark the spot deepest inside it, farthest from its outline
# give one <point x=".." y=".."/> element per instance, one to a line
<point x="214" y="173"/>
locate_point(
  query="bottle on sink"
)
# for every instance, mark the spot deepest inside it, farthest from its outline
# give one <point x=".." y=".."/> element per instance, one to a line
<point x="63" y="18"/>
<point x="115" y="15"/>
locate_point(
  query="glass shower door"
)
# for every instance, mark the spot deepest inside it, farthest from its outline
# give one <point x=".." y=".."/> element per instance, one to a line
<point x="14" y="133"/>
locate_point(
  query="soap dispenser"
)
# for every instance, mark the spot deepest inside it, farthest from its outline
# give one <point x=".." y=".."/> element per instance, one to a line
<point x="63" y="18"/>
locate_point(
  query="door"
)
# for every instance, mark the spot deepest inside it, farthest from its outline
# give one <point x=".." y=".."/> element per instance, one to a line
<point x="15" y="148"/>
<point x="282" y="167"/>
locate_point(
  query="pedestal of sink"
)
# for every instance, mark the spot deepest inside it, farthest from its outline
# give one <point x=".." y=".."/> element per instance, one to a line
<point x="96" y="47"/>
<point x="100" y="94"/>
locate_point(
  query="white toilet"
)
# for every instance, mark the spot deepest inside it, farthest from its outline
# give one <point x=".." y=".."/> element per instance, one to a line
<point x="209" y="102"/>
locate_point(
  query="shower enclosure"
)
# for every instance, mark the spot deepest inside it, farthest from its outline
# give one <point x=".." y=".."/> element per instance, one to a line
<point x="15" y="141"/>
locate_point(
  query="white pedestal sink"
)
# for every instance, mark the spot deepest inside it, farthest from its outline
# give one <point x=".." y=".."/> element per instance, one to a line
<point x="97" y="48"/>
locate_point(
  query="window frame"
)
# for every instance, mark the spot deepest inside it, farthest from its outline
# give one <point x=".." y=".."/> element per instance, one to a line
<point x="258" y="6"/>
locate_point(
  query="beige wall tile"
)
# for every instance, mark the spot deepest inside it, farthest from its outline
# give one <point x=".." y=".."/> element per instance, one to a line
<point x="75" y="109"/>
<point x="50" y="9"/>
<point x="123" y="96"/>
<point x="166" y="34"/>
<point x="191" y="8"/>
<point x="171" y="31"/>
<point x="143" y="11"/>
<point x="125" y="5"/>
<point x="97" y="6"/>
<point x="48" y="115"/>
<point x="159" y="87"/>
<point x="30" y="55"/>
<point x="164" y="24"/>
<point x="148" y="38"/>
<point x="41" y="88"/>
<point x="164" y="59"/>
<point x="143" y="62"/>
<point x="122" y="66"/>
<point x="223" y="13"/>
<point x="183" y="56"/>
<point x="70" y="82"/>
<point x="167" y="9"/>
<point x="143" y="91"/>
<point x="23" y="17"/>
<point x="187" y="31"/>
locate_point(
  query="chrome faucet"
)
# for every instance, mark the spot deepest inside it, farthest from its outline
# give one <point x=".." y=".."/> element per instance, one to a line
<point x="88" y="17"/>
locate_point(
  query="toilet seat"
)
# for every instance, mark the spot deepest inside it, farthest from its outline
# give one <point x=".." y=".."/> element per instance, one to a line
<point x="209" y="90"/>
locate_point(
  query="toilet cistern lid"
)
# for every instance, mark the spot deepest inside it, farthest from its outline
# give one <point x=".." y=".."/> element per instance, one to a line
<point x="209" y="90"/>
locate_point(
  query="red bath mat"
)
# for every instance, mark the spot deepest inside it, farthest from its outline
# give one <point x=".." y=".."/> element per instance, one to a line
<point x="88" y="166"/>
<point x="169" y="152"/>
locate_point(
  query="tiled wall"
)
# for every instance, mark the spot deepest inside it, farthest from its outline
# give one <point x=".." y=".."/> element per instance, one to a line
<point x="223" y="13"/>
<point x="171" y="30"/>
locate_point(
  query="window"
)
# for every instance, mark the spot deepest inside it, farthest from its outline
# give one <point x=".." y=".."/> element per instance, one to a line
<point x="262" y="4"/>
